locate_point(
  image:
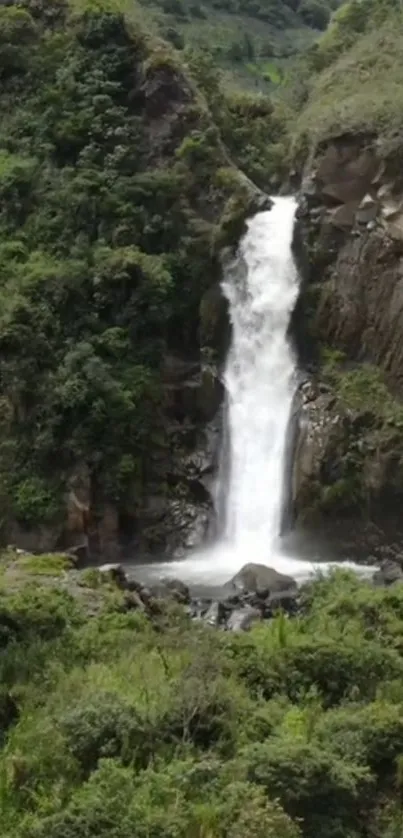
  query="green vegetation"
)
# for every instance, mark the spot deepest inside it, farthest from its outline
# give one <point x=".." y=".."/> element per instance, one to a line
<point x="241" y="35"/>
<point x="350" y="79"/>
<point x="107" y="237"/>
<point x="119" y="724"/>
<point x="364" y="389"/>
<point x="252" y="126"/>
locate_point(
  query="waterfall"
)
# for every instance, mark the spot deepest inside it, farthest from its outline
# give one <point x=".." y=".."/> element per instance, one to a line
<point x="261" y="287"/>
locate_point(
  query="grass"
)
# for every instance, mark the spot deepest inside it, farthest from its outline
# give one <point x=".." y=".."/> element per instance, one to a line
<point x="361" y="91"/>
<point x="363" y="389"/>
<point x="44" y="565"/>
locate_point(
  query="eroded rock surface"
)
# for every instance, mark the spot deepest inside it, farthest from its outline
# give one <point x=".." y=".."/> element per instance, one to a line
<point x="348" y="469"/>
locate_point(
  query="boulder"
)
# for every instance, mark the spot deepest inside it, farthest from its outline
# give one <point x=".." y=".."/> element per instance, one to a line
<point x="133" y="601"/>
<point x="395" y="228"/>
<point x="114" y="573"/>
<point x="388" y="573"/>
<point x="243" y="618"/>
<point x="282" y="600"/>
<point x="343" y="216"/>
<point x="171" y="589"/>
<point x="368" y="210"/>
<point x="215" y="614"/>
<point x="257" y="578"/>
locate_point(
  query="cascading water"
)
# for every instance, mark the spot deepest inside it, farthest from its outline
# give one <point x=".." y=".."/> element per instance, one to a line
<point x="261" y="286"/>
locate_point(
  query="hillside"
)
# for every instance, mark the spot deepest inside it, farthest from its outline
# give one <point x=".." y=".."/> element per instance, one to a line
<point x="251" y="42"/>
<point x="350" y="79"/>
<point x="117" y="194"/>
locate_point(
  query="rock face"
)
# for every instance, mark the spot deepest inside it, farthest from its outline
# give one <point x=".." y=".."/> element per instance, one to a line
<point x="259" y="579"/>
<point x="347" y="242"/>
<point x="348" y="469"/>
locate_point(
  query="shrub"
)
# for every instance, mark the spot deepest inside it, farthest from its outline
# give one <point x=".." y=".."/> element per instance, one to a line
<point x="313" y="784"/>
<point x="107" y="726"/>
<point x="371" y="735"/>
<point x="166" y="803"/>
<point x="336" y="668"/>
<point x="314" y="14"/>
<point x="35" y="613"/>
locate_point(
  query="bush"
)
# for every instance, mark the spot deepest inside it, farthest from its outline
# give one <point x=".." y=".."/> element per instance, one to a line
<point x="337" y="668"/>
<point x="167" y="804"/>
<point x="35" y="613"/>
<point x="325" y="791"/>
<point x="314" y="14"/>
<point x="107" y="726"/>
<point x="372" y="735"/>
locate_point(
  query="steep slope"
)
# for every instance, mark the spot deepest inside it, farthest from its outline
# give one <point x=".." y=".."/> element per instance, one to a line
<point x="348" y="323"/>
<point x="116" y="196"/>
<point x="251" y="40"/>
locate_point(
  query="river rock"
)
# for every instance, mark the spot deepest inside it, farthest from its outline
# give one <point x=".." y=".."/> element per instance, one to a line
<point x="243" y="618"/>
<point x="115" y="573"/>
<point x="282" y="600"/>
<point x="171" y="589"/>
<point x="257" y="578"/>
<point x="388" y="573"/>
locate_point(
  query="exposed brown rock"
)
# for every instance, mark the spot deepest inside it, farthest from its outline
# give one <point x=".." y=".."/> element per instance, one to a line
<point x="348" y="469"/>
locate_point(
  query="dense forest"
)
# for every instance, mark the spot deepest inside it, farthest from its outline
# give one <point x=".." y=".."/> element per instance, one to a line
<point x="117" y="194"/>
<point x="135" y="140"/>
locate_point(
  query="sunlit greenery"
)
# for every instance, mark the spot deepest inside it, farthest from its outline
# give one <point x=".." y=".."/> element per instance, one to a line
<point x="350" y="79"/>
<point x="118" y="724"/>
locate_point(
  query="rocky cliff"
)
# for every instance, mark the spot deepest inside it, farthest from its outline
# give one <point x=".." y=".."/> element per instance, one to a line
<point x="348" y="470"/>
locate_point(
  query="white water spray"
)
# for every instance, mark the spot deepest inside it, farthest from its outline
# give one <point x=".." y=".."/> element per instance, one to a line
<point x="260" y="380"/>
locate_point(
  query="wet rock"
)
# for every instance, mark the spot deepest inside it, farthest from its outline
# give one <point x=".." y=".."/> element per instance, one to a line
<point x="344" y="216"/>
<point x="199" y="608"/>
<point x="79" y="554"/>
<point x="134" y="602"/>
<point x="368" y="210"/>
<point x="214" y="320"/>
<point x="243" y="618"/>
<point x="114" y="573"/>
<point x="172" y="589"/>
<point x="282" y="601"/>
<point x="215" y="615"/>
<point x="257" y="578"/>
<point x="394" y="227"/>
<point x="389" y="573"/>
<point x="176" y="369"/>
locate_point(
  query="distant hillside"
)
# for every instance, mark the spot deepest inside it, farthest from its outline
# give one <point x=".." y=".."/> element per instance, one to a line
<point x="251" y="40"/>
<point x="351" y="80"/>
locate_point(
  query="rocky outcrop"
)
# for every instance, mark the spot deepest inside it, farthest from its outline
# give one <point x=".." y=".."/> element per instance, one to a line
<point x="347" y="476"/>
<point x="348" y="469"/>
<point x="350" y="249"/>
<point x="262" y="580"/>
